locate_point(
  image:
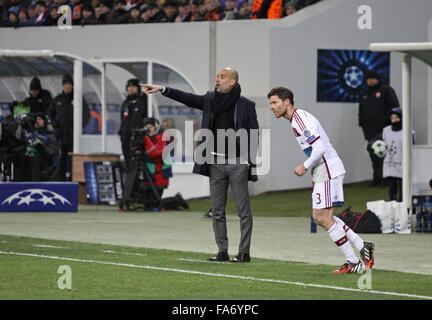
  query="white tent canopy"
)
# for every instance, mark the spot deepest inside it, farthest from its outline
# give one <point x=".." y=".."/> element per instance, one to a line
<point x="423" y="52"/>
<point x="17" y="67"/>
<point x="46" y="60"/>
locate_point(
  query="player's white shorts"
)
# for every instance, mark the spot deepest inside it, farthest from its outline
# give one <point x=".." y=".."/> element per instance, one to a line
<point x="328" y="193"/>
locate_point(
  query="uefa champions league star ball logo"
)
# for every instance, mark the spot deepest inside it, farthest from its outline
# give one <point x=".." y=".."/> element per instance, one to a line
<point x="47" y="197"/>
<point x="353" y="77"/>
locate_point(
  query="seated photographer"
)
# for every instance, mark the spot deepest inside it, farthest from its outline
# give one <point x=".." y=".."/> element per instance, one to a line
<point x="43" y="148"/>
<point x="160" y="169"/>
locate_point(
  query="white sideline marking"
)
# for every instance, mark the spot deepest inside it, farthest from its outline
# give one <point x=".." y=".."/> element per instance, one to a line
<point x="127" y="253"/>
<point x="227" y="262"/>
<point x="48" y="246"/>
<point x="193" y="260"/>
<point x="219" y="262"/>
<point x="322" y="286"/>
<point x="203" y="261"/>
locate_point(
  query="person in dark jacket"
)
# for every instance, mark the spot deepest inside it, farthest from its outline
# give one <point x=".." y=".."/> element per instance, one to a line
<point x="375" y="105"/>
<point x="52" y="17"/>
<point x="132" y="113"/>
<point x="156" y="13"/>
<point x="44" y="149"/>
<point x="170" y="10"/>
<point x="39" y="100"/>
<point x="224" y="110"/>
<point x="119" y="14"/>
<point x="134" y="15"/>
<point x="62" y="113"/>
<point x="88" y="16"/>
<point x="13" y="20"/>
<point x="103" y="11"/>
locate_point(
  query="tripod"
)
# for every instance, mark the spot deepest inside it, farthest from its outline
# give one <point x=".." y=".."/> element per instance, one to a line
<point x="131" y="179"/>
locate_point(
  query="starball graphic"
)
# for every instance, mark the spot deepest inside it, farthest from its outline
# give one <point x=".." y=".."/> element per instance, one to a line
<point x="39" y="197"/>
<point x="28" y="196"/>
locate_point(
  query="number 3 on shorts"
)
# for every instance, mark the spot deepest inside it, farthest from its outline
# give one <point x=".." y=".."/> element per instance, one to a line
<point x="317" y="198"/>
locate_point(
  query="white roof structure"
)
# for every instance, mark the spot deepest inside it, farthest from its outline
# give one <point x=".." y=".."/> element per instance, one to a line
<point x="420" y="50"/>
<point x="25" y="63"/>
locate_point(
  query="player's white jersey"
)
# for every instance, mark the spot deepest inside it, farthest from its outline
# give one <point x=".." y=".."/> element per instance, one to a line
<point x="307" y="130"/>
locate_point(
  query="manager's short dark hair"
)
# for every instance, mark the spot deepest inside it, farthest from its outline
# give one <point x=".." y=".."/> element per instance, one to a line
<point x="283" y="93"/>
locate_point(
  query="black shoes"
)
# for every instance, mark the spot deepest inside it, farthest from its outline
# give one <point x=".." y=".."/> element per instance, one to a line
<point x="208" y="214"/>
<point x="221" y="256"/>
<point x="180" y="201"/>
<point x="367" y="254"/>
<point x="241" y="257"/>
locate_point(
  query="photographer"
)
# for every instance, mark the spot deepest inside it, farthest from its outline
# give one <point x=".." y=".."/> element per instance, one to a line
<point x="149" y="172"/>
<point x="13" y="147"/>
<point x="43" y="149"/>
<point x="133" y="111"/>
<point x="160" y="171"/>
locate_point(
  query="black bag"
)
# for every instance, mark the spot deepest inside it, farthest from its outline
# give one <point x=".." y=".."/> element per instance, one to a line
<point x="361" y="222"/>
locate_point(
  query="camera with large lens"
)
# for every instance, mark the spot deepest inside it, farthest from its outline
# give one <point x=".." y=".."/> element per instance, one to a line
<point x="14" y="143"/>
<point x="137" y="141"/>
<point x="15" y="129"/>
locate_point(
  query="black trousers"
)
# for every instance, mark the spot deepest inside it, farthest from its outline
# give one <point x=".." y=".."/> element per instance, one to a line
<point x="395" y="189"/>
<point x="65" y="163"/>
<point x="149" y="196"/>
<point x="125" y="145"/>
<point x="377" y="166"/>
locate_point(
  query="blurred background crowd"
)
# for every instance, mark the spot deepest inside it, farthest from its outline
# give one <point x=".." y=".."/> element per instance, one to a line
<point x="21" y="13"/>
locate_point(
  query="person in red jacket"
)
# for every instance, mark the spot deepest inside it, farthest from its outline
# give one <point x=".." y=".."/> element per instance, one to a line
<point x="160" y="169"/>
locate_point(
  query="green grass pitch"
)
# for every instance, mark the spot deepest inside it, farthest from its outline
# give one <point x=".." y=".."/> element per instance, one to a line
<point x="30" y="270"/>
<point x="29" y="267"/>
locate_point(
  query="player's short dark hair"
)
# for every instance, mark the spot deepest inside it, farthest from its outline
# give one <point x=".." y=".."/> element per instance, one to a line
<point x="283" y="93"/>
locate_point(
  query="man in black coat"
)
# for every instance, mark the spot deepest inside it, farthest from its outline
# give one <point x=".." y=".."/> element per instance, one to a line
<point x="132" y="113"/>
<point x="39" y="100"/>
<point x="374" y="108"/>
<point x="224" y="111"/>
<point x="62" y="114"/>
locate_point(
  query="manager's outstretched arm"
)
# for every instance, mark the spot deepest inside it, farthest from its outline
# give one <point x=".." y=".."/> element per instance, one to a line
<point x="149" y="89"/>
<point x="188" y="99"/>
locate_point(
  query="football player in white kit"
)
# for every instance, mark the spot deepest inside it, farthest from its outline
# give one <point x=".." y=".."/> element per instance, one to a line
<point x="328" y="173"/>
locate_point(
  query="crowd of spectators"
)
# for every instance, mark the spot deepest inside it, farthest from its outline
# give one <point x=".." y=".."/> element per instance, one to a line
<point x="20" y="13"/>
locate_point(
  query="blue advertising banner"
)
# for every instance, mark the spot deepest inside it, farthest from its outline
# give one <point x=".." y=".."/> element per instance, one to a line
<point x="39" y="196"/>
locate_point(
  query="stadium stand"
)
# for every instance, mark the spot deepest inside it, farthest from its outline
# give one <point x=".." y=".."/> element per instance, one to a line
<point x="24" y="13"/>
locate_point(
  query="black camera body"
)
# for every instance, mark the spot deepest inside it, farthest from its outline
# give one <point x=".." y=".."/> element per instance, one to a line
<point x="11" y="128"/>
<point x="15" y="131"/>
<point x="137" y="142"/>
<point x="14" y="140"/>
